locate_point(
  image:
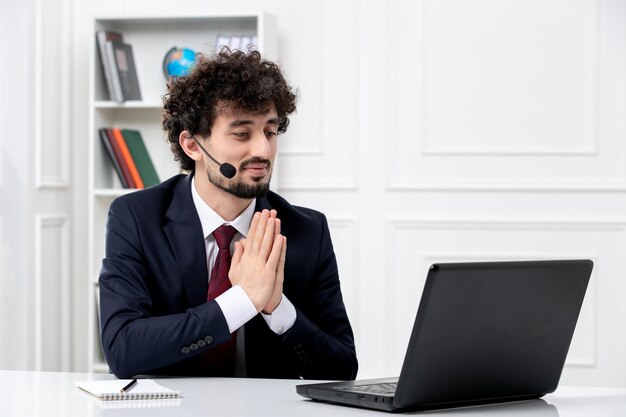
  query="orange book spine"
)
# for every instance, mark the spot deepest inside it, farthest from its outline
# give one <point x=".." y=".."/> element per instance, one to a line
<point x="128" y="158"/>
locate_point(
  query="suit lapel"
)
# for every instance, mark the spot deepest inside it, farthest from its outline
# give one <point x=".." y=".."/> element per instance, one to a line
<point x="261" y="204"/>
<point x="184" y="232"/>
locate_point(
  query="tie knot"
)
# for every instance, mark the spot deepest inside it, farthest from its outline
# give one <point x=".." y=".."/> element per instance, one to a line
<point x="224" y="235"/>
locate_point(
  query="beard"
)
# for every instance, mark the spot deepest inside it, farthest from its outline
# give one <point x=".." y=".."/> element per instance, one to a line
<point x="237" y="187"/>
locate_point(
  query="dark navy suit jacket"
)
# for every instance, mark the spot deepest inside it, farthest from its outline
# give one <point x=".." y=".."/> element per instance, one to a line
<point x="153" y="286"/>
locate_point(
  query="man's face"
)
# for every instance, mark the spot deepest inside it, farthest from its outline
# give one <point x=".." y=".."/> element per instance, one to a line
<point x="249" y="143"/>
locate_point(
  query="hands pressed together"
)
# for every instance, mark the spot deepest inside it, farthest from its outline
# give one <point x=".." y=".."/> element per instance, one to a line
<point x="258" y="263"/>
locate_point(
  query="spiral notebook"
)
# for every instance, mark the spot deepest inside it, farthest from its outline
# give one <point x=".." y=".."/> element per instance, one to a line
<point x="122" y="404"/>
<point x="144" y="389"/>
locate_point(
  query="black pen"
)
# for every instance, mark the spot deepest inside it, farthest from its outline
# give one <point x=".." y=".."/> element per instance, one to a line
<point x="128" y="386"/>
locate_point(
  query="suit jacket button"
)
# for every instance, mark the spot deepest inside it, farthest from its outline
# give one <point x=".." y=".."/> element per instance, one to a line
<point x="185" y="350"/>
<point x="208" y="340"/>
<point x="193" y="346"/>
<point x="201" y="343"/>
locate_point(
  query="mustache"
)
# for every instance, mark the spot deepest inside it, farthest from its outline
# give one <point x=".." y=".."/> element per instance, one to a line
<point x="255" y="160"/>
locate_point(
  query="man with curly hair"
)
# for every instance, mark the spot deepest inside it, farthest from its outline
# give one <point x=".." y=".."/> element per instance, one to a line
<point x="173" y="299"/>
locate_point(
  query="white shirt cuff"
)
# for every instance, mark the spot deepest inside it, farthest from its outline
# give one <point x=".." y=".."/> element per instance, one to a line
<point x="282" y="318"/>
<point x="237" y="307"/>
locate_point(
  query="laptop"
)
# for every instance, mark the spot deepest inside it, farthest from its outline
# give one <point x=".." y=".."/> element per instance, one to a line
<point x="485" y="332"/>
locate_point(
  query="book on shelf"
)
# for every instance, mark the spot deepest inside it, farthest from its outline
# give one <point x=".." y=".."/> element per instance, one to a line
<point x="246" y="43"/>
<point x="221" y="41"/>
<point x="105" y="47"/>
<point x="235" y="43"/>
<point x="130" y="157"/>
<point x="127" y="158"/>
<point x="126" y="71"/>
<point x="140" y="155"/>
<point x="115" y="157"/>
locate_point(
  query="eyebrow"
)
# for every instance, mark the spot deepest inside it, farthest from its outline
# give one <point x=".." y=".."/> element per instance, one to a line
<point x="245" y="122"/>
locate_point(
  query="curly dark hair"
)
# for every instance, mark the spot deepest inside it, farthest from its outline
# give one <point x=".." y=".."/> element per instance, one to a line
<point x="241" y="81"/>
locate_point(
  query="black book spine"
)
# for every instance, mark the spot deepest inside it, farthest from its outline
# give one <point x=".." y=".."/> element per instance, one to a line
<point x="107" y="145"/>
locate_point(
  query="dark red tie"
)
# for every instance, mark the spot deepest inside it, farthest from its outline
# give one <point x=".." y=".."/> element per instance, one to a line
<point x="220" y="361"/>
<point x="219" y="281"/>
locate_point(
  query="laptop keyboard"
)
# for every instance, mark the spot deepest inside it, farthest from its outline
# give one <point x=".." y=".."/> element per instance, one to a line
<point x="382" y="389"/>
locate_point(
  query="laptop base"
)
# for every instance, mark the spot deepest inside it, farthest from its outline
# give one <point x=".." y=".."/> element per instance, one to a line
<point x="324" y="394"/>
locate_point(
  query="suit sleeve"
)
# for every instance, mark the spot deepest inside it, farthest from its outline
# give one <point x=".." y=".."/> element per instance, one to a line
<point x="321" y="338"/>
<point x="135" y="338"/>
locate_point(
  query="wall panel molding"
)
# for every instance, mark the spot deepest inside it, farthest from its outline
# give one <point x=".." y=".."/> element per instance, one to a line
<point x="52" y="292"/>
<point x="512" y="14"/>
<point x="311" y="184"/>
<point x="415" y="243"/>
<point x="438" y="143"/>
<point x="4" y="124"/>
<point x="52" y="94"/>
<point x="332" y="163"/>
<point x="502" y="185"/>
<point x="307" y="143"/>
<point x="345" y="233"/>
<point x="2" y="255"/>
<point x="583" y="354"/>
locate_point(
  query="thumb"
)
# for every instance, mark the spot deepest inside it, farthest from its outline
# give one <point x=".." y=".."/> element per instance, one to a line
<point x="237" y="254"/>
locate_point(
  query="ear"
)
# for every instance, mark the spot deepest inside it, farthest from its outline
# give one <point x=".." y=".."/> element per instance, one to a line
<point x="189" y="145"/>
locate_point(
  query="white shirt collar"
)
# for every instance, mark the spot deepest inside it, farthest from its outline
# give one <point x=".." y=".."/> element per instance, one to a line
<point x="210" y="220"/>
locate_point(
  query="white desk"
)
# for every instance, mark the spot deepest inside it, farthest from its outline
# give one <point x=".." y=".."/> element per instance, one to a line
<point x="51" y="394"/>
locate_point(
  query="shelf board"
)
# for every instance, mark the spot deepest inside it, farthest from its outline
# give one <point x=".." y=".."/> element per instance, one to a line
<point x="182" y="18"/>
<point x="107" y="104"/>
<point x="112" y="192"/>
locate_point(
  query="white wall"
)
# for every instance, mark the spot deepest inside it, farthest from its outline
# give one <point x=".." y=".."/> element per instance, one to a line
<point x="35" y="303"/>
<point x="429" y="130"/>
<point x="15" y="289"/>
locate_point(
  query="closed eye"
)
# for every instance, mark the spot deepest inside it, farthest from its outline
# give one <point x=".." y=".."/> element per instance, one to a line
<point x="241" y="135"/>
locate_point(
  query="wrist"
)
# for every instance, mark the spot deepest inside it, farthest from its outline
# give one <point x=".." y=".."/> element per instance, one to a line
<point x="270" y="309"/>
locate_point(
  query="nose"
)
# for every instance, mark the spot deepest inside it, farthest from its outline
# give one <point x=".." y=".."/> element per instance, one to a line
<point x="260" y="146"/>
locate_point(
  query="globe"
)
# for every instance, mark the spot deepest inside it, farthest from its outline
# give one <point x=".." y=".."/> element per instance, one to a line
<point x="178" y="62"/>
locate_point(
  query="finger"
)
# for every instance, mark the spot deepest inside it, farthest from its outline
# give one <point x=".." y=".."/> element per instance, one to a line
<point x="234" y="263"/>
<point x="254" y="224"/>
<point x="272" y="261"/>
<point x="259" y="232"/>
<point x="237" y="252"/>
<point x="268" y="239"/>
<point x="273" y="214"/>
<point x="277" y="227"/>
<point x="281" y="261"/>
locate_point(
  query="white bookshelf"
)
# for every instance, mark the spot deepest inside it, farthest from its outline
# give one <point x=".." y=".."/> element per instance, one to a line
<point x="151" y="37"/>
